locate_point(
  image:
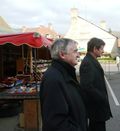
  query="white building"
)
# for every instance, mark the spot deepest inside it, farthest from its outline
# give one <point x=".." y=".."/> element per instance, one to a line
<point x="82" y="31"/>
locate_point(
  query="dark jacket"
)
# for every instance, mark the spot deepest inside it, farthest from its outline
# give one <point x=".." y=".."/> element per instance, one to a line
<point x="94" y="89"/>
<point x="61" y="104"/>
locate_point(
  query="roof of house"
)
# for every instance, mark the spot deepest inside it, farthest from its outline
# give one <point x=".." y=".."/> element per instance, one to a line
<point x="3" y="23"/>
<point x="43" y="30"/>
<point x="116" y="33"/>
<point x="4" y="27"/>
<point x="113" y="34"/>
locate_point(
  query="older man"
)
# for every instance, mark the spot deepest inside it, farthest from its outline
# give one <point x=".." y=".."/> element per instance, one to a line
<point x="61" y="104"/>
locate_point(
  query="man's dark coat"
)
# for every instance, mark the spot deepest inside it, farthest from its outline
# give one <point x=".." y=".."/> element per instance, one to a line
<point x="61" y="104"/>
<point x="95" y="94"/>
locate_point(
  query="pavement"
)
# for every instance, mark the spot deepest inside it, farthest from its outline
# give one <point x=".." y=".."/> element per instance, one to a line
<point x="114" y="80"/>
<point x="9" y="123"/>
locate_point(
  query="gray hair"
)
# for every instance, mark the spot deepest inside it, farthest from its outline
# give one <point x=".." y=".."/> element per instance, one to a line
<point x="60" y="45"/>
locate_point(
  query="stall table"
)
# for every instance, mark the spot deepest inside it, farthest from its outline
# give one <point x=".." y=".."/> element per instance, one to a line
<point x="31" y="108"/>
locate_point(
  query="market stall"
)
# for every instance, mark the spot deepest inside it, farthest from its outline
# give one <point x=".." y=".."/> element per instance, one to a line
<point x="32" y="39"/>
<point x="25" y="87"/>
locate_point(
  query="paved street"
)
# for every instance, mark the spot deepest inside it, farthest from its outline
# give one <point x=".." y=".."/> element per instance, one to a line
<point x="114" y="123"/>
<point x="9" y="123"/>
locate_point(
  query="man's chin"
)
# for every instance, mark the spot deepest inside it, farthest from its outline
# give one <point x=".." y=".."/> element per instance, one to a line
<point x="76" y="63"/>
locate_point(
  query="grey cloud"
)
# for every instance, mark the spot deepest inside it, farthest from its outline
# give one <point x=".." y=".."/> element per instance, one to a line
<point x="41" y="12"/>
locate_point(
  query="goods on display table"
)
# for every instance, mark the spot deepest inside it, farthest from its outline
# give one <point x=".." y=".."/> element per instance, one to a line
<point x="14" y="85"/>
<point x="26" y="83"/>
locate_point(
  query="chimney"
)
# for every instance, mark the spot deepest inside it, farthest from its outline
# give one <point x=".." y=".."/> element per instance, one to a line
<point x="50" y="26"/>
<point x="74" y="12"/>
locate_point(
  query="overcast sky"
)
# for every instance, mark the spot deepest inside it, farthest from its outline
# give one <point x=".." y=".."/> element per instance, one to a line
<point x="32" y="13"/>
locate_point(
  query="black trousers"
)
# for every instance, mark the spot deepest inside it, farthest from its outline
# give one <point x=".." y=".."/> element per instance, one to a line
<point x="97" y="126"/>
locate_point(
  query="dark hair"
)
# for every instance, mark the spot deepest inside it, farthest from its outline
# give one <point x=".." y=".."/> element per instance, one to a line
<point x="94" y="42"/>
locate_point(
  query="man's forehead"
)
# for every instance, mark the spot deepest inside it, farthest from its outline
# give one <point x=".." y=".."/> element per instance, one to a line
<point x="73" y="45"/>
<point x="73" y="49"/>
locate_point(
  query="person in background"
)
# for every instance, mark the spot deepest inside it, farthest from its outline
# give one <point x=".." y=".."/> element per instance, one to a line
<point x="118" y="62"/>
<point x="93" y="85"/>
<point x="62" y="107"/>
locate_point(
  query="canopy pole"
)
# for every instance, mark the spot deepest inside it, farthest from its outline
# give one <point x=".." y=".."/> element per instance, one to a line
<point x="31" y="61"/>
<point x="22" y="51"/>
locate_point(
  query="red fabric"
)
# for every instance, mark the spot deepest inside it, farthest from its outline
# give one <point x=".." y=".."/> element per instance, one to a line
<point x="25" y="38"/>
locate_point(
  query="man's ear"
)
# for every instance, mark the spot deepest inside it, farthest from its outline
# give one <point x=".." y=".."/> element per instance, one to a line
<point x="94" y="49"/>
<point x="62" y="54"/>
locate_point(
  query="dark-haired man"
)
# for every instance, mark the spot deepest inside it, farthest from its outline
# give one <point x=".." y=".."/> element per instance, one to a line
<point x="94" y="88"/>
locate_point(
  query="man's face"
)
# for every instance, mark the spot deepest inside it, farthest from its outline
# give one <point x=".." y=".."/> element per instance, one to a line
<point x="98" y="52"/>
<point x="71" y="55"/>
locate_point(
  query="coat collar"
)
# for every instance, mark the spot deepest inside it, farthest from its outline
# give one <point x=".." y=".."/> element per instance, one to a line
<point x="66" y="69"/>
<point x="95" y="61"/>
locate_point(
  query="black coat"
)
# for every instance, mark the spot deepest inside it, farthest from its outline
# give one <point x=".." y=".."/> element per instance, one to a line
<point x="94" y="89"/>
<point x="61" y="104"/>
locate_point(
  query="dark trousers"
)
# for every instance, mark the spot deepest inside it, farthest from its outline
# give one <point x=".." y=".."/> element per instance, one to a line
<point x="97" y="125"/>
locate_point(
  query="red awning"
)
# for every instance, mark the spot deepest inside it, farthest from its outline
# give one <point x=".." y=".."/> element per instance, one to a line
<point x="31" y="39"/>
